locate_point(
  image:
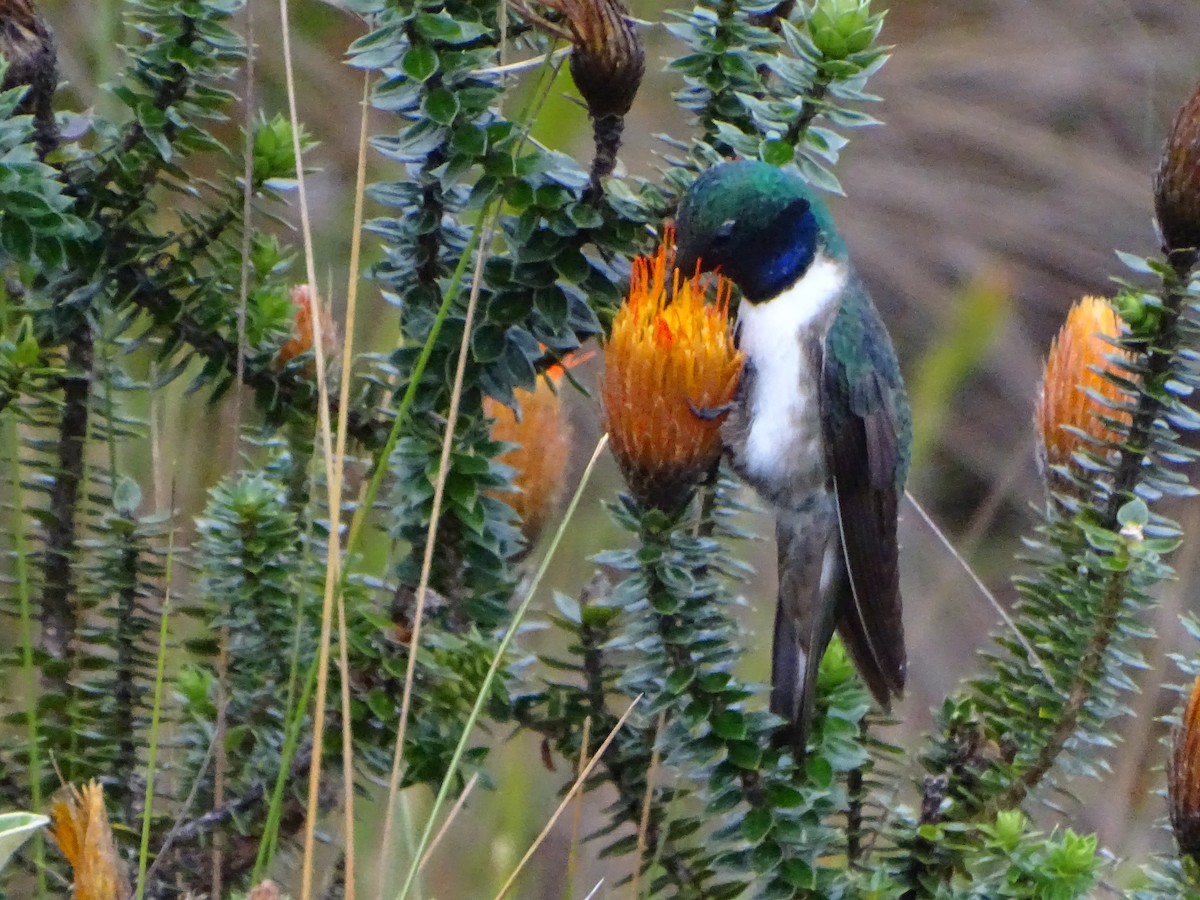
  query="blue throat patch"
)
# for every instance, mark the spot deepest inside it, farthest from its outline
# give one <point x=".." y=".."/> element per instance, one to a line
<point x="779" y="256"/>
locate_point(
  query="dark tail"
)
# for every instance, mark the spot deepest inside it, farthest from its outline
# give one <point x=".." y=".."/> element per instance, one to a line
<point x="804" y="619"/>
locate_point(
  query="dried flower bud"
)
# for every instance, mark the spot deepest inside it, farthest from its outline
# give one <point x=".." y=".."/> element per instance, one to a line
<point x="607" y="59"/>
<point x="542" y="436"/>
<point x="85" y="837"/>
<point x="607" y="64"/>
<point x="301" y="340"/>
<point x="27" y="45"/>
<point x="1177" y="183"/>
<point x="1070" y="414"/>
<point x="1183" y="778"/>
<point x="670" y="357"/>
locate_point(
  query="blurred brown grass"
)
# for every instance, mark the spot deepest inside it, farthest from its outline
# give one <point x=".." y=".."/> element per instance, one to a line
<point x="1018" y="151"/>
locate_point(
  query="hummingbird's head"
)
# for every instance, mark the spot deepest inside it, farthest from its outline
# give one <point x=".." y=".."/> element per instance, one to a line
<point x="760" y="225"/>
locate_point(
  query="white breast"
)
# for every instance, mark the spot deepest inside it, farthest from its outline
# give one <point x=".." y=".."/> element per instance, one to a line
<point x="783" y="452"/>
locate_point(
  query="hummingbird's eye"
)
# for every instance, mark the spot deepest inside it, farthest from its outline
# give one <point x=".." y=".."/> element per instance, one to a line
<point x="724" y="232"/>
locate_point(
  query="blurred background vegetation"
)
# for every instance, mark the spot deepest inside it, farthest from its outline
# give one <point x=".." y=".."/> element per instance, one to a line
<point x="1018" y="149"/>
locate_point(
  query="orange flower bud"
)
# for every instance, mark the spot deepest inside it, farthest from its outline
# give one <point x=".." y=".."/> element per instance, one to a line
<point x="542" y="436"/>
<point x="1177" y="183"/>
<point x="1067" y="405"/>
<point x="670" y="356"/>
<point x="301" y="340"/>
<point x="1183" y="778"/>
<point x="85" y="837"/>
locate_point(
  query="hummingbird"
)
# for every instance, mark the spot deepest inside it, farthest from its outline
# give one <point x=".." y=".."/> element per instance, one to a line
<point x="820" y="424"/>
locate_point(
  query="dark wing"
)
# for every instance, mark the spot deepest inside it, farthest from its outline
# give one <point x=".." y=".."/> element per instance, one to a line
<point x="867" y="435"/>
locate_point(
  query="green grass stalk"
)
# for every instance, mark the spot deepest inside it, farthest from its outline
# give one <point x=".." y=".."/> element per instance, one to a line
<point x="32" y="739"/>
<point x="269" y="844"/>
<point x="155" y="719"/>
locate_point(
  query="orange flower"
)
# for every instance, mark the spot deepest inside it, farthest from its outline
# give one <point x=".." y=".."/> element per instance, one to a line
<point x="302" y="328"/>
<point x="1067" y="405"/>
<point x="1183" y="777"/>
<point x="542" y="436"/>
<point x="85" y="837"/>
<point x="671" y="356"/>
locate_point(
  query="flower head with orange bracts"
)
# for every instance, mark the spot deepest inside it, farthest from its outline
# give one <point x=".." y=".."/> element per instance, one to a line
<point x="1069" y="405"/>
<point x="541" y="436"/>
<point x="301" y="340"/>
<point x="85" y="837"/>
<point x="1183" y="778"/>
<point x="670" y="368"/>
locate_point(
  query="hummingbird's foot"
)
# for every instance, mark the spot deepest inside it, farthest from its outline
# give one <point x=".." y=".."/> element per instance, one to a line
<point x="710" y="413"/>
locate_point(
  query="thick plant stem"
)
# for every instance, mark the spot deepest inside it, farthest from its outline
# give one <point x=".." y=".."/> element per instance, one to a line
<point x="125" y="691"/>
<point x="1089" y="670"/>
<point x="808" y="110"/>
<point x="57" y="607"/>
<point x="1159" y="356"/>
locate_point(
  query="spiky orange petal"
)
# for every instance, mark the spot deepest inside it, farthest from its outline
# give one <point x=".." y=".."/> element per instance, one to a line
<point x="85" y="837"/>
<point x="670" y="355"/>
<point x="302" y="328"/>
<point x="542" y="437"/>
<point x="1067" y="402"/>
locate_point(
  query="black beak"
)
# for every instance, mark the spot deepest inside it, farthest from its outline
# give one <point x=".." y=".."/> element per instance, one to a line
<point x="685" y="262"/>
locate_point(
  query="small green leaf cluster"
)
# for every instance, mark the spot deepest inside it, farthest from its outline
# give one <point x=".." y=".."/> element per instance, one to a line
<point x="257" y="591"/>
<point x="757" y="79"/>
<point x="450" y="671"/>
<point x="23" y="366"/>
<point x="472" y="584"/>
<point x="1014" y="860"/>
<point x="484" y="535"/>
<point x="38" y="225"/>
<point x="842" y="28"/>
<point x="175" y="76"/>
<point x="273" y="153"/>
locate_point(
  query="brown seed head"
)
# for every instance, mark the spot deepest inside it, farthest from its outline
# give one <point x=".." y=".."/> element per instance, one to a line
<point x="1177" y="183"/>
<point x="607" y="58"/>
<point x="1067" y="404"/>
<point x="1183" y="778"/>
<point x="669" y="356"/>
